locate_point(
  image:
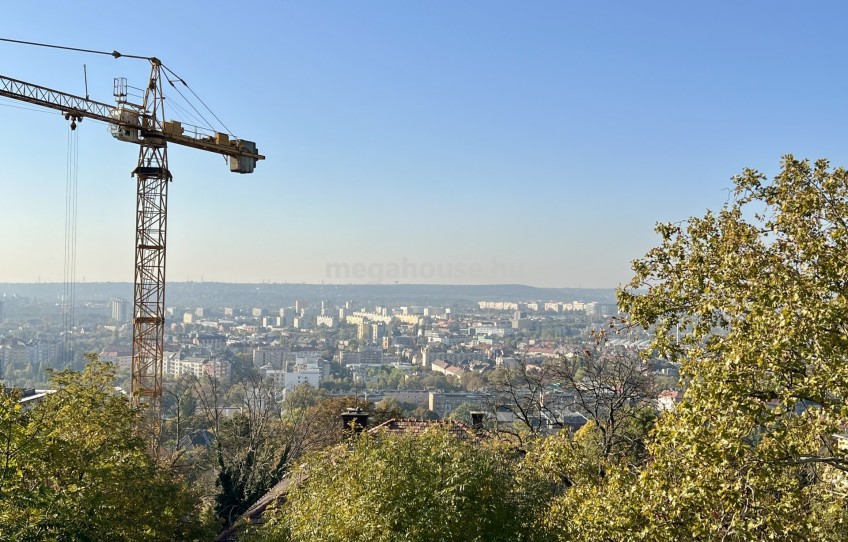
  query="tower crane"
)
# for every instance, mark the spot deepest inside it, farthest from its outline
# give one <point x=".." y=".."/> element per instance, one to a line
<point x="146" y="126"/>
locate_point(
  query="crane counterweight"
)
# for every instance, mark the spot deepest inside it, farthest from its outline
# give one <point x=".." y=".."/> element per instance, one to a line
<point x="244" y="163"/>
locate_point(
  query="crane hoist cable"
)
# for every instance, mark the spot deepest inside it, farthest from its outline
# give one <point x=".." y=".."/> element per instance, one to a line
<point x="70" y="262"/>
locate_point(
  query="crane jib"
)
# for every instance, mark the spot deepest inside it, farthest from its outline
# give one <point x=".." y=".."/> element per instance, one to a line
<point x="243" y="153"/>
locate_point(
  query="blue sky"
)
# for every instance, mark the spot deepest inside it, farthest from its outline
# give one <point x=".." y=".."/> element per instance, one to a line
<point x="455" y="142"/>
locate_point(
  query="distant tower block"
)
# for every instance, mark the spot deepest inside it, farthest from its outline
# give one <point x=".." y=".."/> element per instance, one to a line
<point x="363" y="332"/>
<point x="120" y="310"/>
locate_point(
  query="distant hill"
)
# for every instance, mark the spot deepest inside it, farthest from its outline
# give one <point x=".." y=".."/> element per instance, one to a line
<point x="218" y="294"/>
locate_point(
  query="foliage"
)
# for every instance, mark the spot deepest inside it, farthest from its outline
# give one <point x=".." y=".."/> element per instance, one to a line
<point x="424" y="413"/>
<point x="472" y="381"/>
<point x="759" y="292"/>
<point x="179" y="405"/>
<point x="586" y="494"/>
<point x="255" y="448"/>
<point x="73" y="470"/>
<point x="430" y="486"/>
<point x="462" y="413"/>
<point x="255" y="437"/>
<point x="312" y="419"/>
<point x="251" y="451"/>
<point x="386" y="409"/>
<point x="608" y="385"/>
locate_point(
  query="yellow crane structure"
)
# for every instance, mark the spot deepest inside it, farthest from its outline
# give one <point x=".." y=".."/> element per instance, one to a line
<point x="146" y="126"/>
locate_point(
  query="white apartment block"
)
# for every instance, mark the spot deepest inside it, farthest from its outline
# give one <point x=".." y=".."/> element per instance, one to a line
<point x="197" y="367"/>
<point x="499" y="305"/>
<point x="372" y="316"/>
<point x="289" y="380"/>
<point x="492" y="330"/>
<point x="327" y="321"/>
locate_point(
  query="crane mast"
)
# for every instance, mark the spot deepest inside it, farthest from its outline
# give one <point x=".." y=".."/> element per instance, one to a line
<point x="151" y="218"/>
<point x="145" y="125"/>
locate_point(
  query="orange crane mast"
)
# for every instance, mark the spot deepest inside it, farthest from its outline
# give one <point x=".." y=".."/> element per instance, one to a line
<point x="145" y="125"/>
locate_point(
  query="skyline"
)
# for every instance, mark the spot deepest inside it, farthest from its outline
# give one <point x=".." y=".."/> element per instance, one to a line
<point x="532" y="144"/>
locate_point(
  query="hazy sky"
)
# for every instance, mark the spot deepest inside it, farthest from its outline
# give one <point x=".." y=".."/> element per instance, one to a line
<point x="432" y="141"/>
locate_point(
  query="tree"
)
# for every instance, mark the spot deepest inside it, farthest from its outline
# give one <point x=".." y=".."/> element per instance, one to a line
<point x="430" y="486"/>
<point x="73" y="470"/>
<point x="472" y="381"/>
<point x="582" y="495"/>
<point x="423" y="413"/>
<point x="312" y="419"/>
<point x="608" y="385"/>
<point x="759" y="292"/>
<point x="387" y="409"/>
<point x="436" y="381"/>
<point x="179" y="405"/>
<point x="613" y="387"/>
<point x="462" y="413"/>
<point x="251" y="448"/>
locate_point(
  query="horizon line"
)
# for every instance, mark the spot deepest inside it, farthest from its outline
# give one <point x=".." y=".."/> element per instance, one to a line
<point x="321" y="284"/>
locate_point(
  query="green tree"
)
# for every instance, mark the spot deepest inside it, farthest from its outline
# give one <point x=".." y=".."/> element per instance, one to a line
<point x="251" y="448"/>
<point x="178" y="405"/>
<point x="759" y="293"/>
<point x="430" y="486"/>
<point x="312" y="419"/>
<point x="581" y="494"/>
<point x="462" y="413"/>
<point x="608" y="385"/>
<point x="472" y="381"/>
<point x="73" y="470"/>
<point x="386" y="409"/>
<point x="423" y="413"/>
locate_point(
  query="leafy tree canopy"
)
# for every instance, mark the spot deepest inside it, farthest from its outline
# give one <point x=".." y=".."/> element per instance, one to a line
<point x="72" y="469"/>
<point x="430" y="486"/>
<point x="759" y="292"/>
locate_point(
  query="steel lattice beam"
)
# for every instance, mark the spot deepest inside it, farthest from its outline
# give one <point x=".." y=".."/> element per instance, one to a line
<point x="152" y="178"/>
<point x="151" y="220"/>
<point x="79" y="107"/>
<point x="54" y="99"/>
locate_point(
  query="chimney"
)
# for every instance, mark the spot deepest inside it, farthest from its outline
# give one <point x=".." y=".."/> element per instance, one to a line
<point x="356" y="417"/>
<point x="477" y="420"/>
